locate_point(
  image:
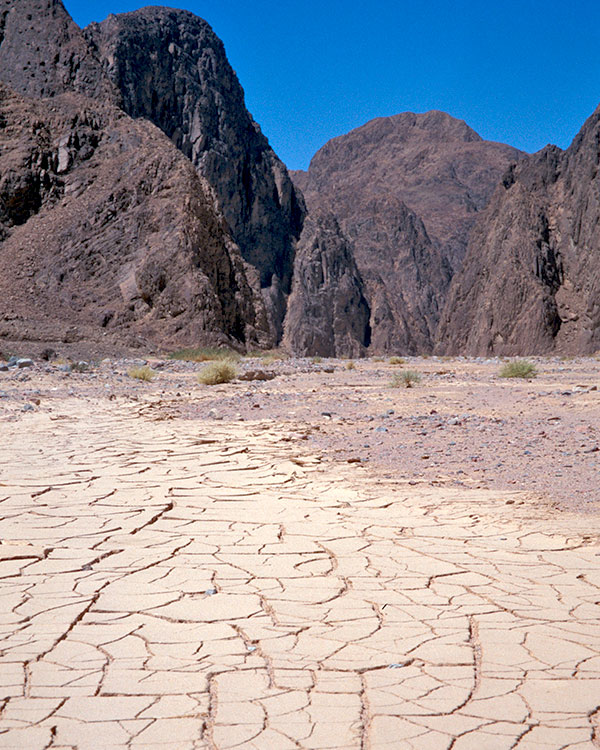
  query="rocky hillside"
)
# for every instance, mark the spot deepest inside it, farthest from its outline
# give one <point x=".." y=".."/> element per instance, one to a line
<point x="327" y="314"/>
<point x="44" y="53"/>
<point x="108" y="231"/>
<point x="406" y="191"/>
<point x="530" y="282"/>
<point x="171" y="68"/>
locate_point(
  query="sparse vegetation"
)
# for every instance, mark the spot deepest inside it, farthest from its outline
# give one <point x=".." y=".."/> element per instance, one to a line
<point x="216" y="373"/>
<point x="406" y="378"/>
<point x="205" y="354"/>
<point x="518" y="368"/>
<point x="350" y="365"/>
<point x="268" y="354"/>
<point x="317" y="360"/>
<point x="396" y="361"/>
<point x="142" y="373"/>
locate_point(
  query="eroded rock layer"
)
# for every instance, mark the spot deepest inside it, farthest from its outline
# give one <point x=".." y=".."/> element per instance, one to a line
<point x="531" y="277"/>
<point x="327" y="310"/>
<point x="171" y="68"/>
<point x="108" y="230"/>
<point x="406" y="190"/>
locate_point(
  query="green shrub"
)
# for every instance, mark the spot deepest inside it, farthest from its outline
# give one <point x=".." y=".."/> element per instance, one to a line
<point x="142" y="373"/>
<point x="406" y="378"/>
<point x="216" y="373"/>
<point x="518" y="368"/>
<point x="205" y="354"/>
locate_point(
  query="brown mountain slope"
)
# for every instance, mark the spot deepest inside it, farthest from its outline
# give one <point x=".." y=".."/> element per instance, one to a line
<point x="171" y="68"/>
<point x="406" y="190"/>
<point x="44" y="53"/>
<point x="108" y="231"/>
<point x="530" y="282"/>
<point x="327" y="313"/>
<point x="437" y="165"/>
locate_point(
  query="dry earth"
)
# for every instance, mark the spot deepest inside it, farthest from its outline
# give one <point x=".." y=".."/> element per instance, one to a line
<point x="194" y="567"/>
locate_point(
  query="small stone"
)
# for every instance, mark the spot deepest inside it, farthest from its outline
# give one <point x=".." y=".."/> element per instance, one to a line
<point x="381" y="429"/>
<point x="210" y="592"/>
<point x="28" y="407"/>
<point x="3" y="367"/>
<point x="24" y="362"/>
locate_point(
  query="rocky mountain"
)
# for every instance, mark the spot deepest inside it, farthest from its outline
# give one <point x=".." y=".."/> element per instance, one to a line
<point x="406" y="191"/>
<point x="171" y="68"/>
<point x="107" y="230"/>
<point x="43" y="52"/>
<point x="327" y="313"/>
<point x="530" y="282"/>
<point x="112" y="228"/>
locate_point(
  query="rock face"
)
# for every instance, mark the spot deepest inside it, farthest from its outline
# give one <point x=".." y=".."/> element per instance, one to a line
<point x="107" y="228"/>
<point x="172" y="69"/>
<point x="530" y="283"/>
<point x="327" y="314"/>
<point x="44" y="53"/>
<point x="406" y="190"/>
<point x="108" y="231"/>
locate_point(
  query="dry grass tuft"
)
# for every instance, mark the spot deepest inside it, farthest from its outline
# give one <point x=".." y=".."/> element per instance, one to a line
<point x="350" y="365"/>
<point x="518" y="368"/>
<point x="406" y="378"/>
<point x="216" y="373"/>
<point x="142" y="373"/>
<point x="206" y="354"/>
<point x="396" y="361"/>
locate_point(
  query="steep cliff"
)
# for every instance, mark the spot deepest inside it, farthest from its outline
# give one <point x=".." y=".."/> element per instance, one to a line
<point x="44" y="53"/>
<point x="171" y="68"/>
<point x="108" y="231"/>
<point x="406" y="190"/>
<point x="530" y="282"/>
<point x="327" y="312"/>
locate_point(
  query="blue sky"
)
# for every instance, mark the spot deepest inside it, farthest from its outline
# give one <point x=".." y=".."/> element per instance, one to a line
<point x="525" y="73"/>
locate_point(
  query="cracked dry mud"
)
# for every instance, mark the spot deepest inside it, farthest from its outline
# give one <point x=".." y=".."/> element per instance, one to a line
<point x="170" y="583"/>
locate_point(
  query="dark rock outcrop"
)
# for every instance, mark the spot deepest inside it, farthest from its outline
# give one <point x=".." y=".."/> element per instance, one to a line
<point x="44" y="53"/>
<point x="108" y="230"/>
<point x="327" y="312"/>
<point x="406" y="190"/>
<point x="437" y="165"/>
<point x="120" y="236"/>
<point x="106" y="227"/>
<point x="530" y="282"/>
<point x="171" y="68"/>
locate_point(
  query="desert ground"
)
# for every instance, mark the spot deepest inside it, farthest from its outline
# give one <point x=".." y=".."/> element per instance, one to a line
<point x="317" y="561"/>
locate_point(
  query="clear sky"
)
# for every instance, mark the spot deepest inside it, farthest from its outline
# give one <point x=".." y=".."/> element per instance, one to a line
<point x="525" y="72"/>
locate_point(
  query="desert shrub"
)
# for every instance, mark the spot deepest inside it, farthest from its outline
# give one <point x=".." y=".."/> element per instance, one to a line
<point x="350" y="365"/>
<point x="396" y="361"/>
<point x="217" y="372"/>
<point x="142" y="373"/>
<point x="406" y="378"/>
<point x="205" y="354"/>
<point x="518" y="368"/>
<point x="317" y="360"/>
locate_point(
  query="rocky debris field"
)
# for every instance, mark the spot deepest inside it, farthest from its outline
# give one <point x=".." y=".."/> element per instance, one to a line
<point x="319" y="560"/>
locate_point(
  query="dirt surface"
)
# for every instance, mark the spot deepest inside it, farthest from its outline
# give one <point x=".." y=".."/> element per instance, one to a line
<point x="315" y="561"/>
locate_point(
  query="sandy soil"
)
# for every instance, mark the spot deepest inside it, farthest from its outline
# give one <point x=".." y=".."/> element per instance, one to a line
<point x="317" y="561"/>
